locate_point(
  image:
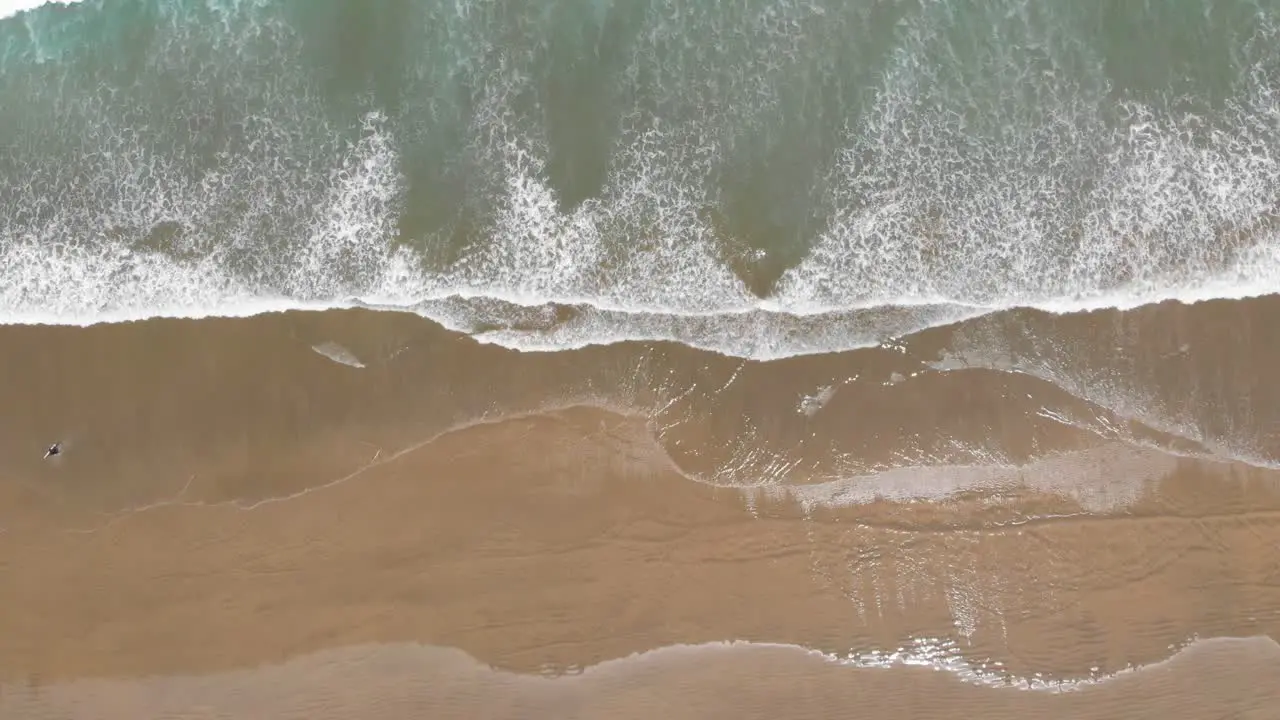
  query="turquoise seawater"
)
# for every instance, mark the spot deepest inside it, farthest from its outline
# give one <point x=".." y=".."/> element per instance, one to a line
<point x="763" y="177"/>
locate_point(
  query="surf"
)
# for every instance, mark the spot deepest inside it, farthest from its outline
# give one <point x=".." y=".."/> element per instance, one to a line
<point x="606" y="174"/>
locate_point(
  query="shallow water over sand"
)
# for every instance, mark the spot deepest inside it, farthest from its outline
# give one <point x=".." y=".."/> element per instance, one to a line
<point x="230" y="499"/>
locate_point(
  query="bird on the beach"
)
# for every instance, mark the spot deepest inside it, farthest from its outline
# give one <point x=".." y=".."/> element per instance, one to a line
<point x="54" y="449"/>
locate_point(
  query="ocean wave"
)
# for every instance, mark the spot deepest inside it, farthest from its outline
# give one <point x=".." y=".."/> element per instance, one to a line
<point x="763" y="332"/>
<point x="193" y="160"/>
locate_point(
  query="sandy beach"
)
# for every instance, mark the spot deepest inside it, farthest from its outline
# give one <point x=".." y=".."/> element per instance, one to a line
<point x="235" y="507"/>
<point x="866" y="359"/>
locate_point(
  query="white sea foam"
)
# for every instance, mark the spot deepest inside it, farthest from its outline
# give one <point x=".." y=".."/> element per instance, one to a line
<point x="8" y="8"/>
<point x="908" y="243"/>
<point x="338" y="354"/>
<point x="543" y="259"/>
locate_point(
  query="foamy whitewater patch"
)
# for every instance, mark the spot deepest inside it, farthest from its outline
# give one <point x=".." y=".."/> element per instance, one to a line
<point x="9" y="8"/>
<point x="338" y="354"/>
<point x="539" y="286"/>
<point x="756" y="333"/>
<point x="929" y="206"/>
<point x="810" y="404"/>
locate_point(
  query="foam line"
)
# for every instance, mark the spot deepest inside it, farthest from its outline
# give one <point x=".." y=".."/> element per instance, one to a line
<point x="927" y="205"/>
<point x="9" y="8"/>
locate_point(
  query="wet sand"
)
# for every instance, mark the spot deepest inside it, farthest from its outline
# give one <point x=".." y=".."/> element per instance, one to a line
<point x="1216" y="679"/>
<point x="243" y="527"/>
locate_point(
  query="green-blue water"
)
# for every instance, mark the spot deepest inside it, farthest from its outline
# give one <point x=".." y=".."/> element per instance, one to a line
<point x="760" y="177"/>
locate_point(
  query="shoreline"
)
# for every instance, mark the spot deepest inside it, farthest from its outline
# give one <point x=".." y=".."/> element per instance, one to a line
<point x="232" y="498"/>
<point x="748" y="680"/>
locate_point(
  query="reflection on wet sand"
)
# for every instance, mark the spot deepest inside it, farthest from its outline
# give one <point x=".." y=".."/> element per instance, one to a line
<point x="243" y="527"/>
<point x="567" y="538"/>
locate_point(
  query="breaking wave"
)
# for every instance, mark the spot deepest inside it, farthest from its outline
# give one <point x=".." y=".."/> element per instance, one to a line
<point x="776" y="178"/>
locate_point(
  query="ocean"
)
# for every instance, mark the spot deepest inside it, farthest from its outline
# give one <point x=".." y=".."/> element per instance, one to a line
<point x="764" y="180"/>
<point x="952" y="322"/>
